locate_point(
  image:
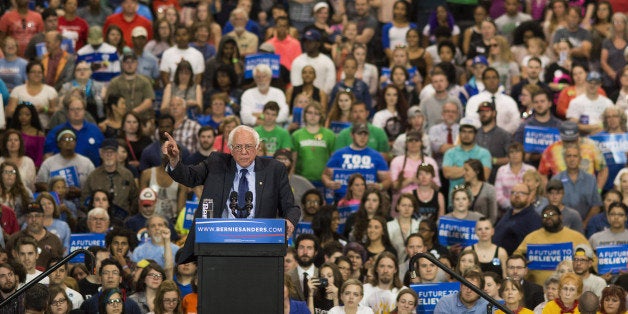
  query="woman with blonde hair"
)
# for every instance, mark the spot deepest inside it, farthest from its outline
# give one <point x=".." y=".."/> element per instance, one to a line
<point x="340" y="109"/>
<point x="533" y="180"/>
<point x="500" y="57"/>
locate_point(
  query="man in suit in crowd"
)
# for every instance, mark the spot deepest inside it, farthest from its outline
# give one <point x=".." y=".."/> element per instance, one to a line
<point x="220" y="174"/>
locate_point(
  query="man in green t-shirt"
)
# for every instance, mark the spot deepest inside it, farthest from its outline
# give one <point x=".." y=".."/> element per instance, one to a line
<point x="274" y="138"/>
<point x="378" y="140"/>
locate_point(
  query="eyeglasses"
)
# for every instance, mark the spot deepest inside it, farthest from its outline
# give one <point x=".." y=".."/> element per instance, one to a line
<point x="240" y="147"/>
<point x="154" y="276"/>
<point x="425" y="230"/>
<point x="312" y="202"/>
<point x="519" y="193"/>
<point x="82" y="69"/>
<point x="67" y="139"/>
<point x="116" y="301"/>
<point x="10" y="172"/>
<point x="548" y="215"/>
<point x="412" y="140"/>
<point x="617" y="215"/>
<point x="58" y="302"/>
<point x="171" y="301"/>
<point x="98" y="219"/>
<point x="580" y="260"/>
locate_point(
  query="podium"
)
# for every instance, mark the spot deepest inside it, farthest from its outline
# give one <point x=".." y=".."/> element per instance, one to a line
<point x="240" y="265"/>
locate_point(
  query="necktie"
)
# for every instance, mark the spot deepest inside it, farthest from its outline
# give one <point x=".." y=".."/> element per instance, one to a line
<point x="243" y="187"/>
<point x="493" y="101"/>
<point x="306" y="288"/>
<point x="450" y="137"/>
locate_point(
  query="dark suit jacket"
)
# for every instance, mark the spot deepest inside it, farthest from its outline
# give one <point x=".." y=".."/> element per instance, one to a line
<point x="296" y="282"/>
<point x="533" y="294"/>
<point x="273" y="195"/>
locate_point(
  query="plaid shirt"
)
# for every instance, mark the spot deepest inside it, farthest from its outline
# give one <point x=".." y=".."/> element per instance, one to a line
<point x="187" y="134"/>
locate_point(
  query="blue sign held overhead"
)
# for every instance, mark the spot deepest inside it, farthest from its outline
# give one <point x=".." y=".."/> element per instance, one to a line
<point x="190" y="208"/>
<point x="70" y="174"/>
<point x="430" y="293"/>
<point x="248" y="231"/>
<point x="453" y="231"/>
<point x="613" y="146"/>
<point x="612" y="258"/>
<point x="345" y="212"/>
<point x="548" y="256"/>
<point x="251" y="61"/>
<point x="536" y="139"/>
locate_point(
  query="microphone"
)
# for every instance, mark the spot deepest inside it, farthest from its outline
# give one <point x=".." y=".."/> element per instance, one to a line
<point x="248" y="197"/>
<point x="233" y="203"/>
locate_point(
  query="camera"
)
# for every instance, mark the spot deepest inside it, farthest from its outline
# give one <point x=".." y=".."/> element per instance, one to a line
<point x="324" y="283"/>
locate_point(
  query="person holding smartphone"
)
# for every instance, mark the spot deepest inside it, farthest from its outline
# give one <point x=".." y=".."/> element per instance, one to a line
<point x="325" y="288"/>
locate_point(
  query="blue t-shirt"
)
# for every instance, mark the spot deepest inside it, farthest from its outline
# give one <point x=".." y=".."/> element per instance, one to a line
<point x="13" y="73"/>
<point x="366" y="161"/>
<point x="88" y="141"/>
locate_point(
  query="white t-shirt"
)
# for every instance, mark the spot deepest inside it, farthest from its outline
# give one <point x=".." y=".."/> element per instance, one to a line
<point x="40" y="100"/>
<point x="253" y="101"/>
<point x="172" y="56"/>
<point x="588" y="111"/>
<point x="324" y="67"/>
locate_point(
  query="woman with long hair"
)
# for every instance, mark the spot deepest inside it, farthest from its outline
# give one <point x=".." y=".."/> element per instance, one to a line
<point x="325" y="224"/>
<point x="393" y="33"/>
<point x="377" y="239"/>
<point x="134" y="137"/>
<point x="462" y="200"/>
<point x="356" y="253"/>
<point x="183" y="86"/>
<point x="569" y="291"/>
<point x="225" y="80"/>
<point x="556" y="17"/>
<point x="492" y="284"/>
<point x="356" y="186"/>
<point x="513" y="295"/>
<point x="440" y="17"/>
<point x="579" y="73"/>
<point x="202" y="38"/>
<point x="344" y="266"/>
<point x="115" y="109"/>
<point x="481" y="47"/>
<point x="168" y="299"/>
<point x="431" y="202"/>
<point x="324" y="289"/>
<point x="52" y="222"/>
<point x="490" y="256"/>
<point x="417" y="55"/>
<point x="391" y="104"/>
<point x="621" y="95"/>
<point x="404" y="224"/>
<point x="12" y="150"/>
<point x="600" y="27"/>
<point x="227" y="54"/>
<point x="484" y="197"/>
<point x="500" y="57"/>
<point x="203" y="14"/>
<point x="428" y="229"/>
<point x="146" y="290"/>
<point x="612" y="56"/>
<point x="340" y="109"/>
<point x="613" y="300"/>
<point x="372" y="204"/>
<point x="407" y="301"/>
<point x="367" y="72"/>
<point x="162" y="38"/>
<point x="308" y="74"/>
<point x="42" y="97"/>
<point x="473" y="34"/>
<point x="13" y="193"/>
<point x="114" y="37"/>
<point x="532" y="179"/>
<point x="25" y="120"/>
<point x="111" y="301"/>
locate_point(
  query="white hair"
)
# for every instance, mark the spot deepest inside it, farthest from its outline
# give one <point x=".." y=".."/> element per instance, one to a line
<point x="262" y="69"/>
<point x="243" y="128"/>
<point x="97" y="211"/>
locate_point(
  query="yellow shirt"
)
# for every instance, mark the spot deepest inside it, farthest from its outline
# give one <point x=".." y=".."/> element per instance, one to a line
<point x="553" y="308"/>
<point x="522" y="311"/>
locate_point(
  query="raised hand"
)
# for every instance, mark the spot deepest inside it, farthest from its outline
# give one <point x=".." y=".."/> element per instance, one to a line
<point x="171" y="150"/>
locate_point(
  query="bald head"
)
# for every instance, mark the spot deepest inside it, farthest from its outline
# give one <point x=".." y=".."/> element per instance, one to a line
<point x="53" y="41"/>
<point x="589" y="303"/>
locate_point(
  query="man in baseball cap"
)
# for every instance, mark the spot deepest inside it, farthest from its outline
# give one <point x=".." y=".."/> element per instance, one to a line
<point x="148" y="64"/>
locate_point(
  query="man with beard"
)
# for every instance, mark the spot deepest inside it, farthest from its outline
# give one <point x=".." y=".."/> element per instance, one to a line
<point x="492" y="137"/>
<point x="582" y="262"/>
<point x="158" y="248"/>
<point x="455" y="157"/>
<point x="247" y="41"/>
<point x="206" y="136"/>
<point x="147" y="209"/>
<point x="58" y="277"/>
<point x="465" y="301"/>
<point x="517" y="269"/>
<point x="542" y="117"/>
<point x="8" y="285"/>
<point x="385" y="278"/>
<point x="518" y="221"/>
<point x="113" y="178"/>
<point x="311" y="202"/>
<point x="152" y="155"/>
<point x="307" y="247"/>
<point x="552" y="231"/>
<point x="255" y="98"/>
<point x="137" y="90"/>
<point x="534" y="69"/>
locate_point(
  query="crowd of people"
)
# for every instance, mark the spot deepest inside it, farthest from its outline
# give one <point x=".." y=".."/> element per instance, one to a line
<point x="388" y="116"/>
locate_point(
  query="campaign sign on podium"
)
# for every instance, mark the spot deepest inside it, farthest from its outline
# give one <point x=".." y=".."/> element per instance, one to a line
<point x="235" y="253"/>
<point x="249" y="231"/>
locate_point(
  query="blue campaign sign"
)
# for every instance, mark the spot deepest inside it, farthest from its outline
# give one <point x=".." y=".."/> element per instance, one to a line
<point x="190" y="208"/>
<point x="83" y="241"/>
<point x="456" y="231"/>
<point x="345" y="212"/>
<point x="70" y="174"/>
<point x="303" y="227"/>
<point x="251" y="61"/>
<point x="412" y="72"/>
<point x="536" y="138"/>
<point x="342" y="176"/>
<point x="430" y="294"/>
<point x="612" y="258"/>
<point x="297" y="115"/>
<point x="548" y="256"/>
<point x="613" y="146"/>
<point x="337" y="126"/>
<point x="240" y="231"/>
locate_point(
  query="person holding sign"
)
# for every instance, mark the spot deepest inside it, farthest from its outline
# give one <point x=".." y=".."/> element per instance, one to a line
<point x="552" y="232"/>
<point x="220" y="174"/>
<point x="582" y="262"/>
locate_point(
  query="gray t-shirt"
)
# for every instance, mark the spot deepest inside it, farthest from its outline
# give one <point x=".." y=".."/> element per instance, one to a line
<point x="432" y="108"/>
<point x="575" y="38"/>
<point x="607" y="237"/>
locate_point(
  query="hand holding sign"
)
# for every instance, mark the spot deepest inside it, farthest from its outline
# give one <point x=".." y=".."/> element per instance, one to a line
<point x="171" y="150"/>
